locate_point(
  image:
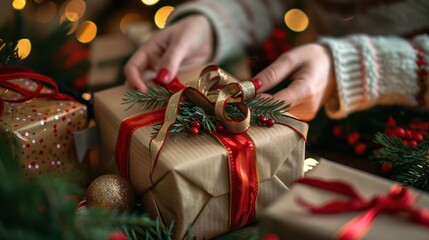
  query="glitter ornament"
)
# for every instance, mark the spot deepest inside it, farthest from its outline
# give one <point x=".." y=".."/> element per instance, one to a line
<point x="111" y="191"/>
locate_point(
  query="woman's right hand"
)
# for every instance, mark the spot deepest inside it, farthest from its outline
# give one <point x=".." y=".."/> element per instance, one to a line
<point x="188" y="42"/>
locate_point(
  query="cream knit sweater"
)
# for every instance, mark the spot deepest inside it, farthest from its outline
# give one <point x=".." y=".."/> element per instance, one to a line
<point x="373" y="64"/>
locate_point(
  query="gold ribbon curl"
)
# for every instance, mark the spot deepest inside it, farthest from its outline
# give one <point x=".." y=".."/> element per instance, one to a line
<point x="211" y="92"/>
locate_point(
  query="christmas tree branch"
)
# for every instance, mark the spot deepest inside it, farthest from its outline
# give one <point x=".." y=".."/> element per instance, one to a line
<point x="156" y="97"/>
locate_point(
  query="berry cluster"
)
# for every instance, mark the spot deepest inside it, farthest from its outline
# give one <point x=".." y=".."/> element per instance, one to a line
<point x="411" y="136"/>
<point x="264" y="121"/>
<point x="195" y="128"/>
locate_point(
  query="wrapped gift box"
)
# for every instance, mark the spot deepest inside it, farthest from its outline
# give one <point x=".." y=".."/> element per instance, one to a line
<point x="190" y="183"/>
<point x="291" y="220"/>
<point x="39" y="132"/>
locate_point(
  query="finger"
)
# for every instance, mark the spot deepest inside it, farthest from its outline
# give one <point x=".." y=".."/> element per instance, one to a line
<point x="171" y="60"/>
<point x="277" y="71"/>
<point x="134" y="69"/>
<point x="294" y="94"/>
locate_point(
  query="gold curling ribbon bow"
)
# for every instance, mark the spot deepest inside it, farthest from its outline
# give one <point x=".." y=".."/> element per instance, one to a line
<point x="211" y="92"/>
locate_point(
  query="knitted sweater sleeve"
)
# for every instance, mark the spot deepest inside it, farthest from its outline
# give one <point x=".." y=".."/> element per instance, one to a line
<point x="236" y="23"/>
<point x="378" y="71"/>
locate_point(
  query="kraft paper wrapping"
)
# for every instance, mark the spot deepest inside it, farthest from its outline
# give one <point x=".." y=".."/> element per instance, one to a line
<point x="39" y="132"/>
<point x="191" y="178"/>
<point x="289" y="220"/>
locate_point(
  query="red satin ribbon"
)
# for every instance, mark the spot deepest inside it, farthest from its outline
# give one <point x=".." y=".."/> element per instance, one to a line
<point x="240" y="149"/>
<point x="243" y="177"/>
<point x="398" y="200"/>
<point x="8" y="73"/>
<point x="126" y="130"/>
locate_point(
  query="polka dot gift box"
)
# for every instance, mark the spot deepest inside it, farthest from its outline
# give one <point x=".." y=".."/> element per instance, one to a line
<point x="37" y="124"/>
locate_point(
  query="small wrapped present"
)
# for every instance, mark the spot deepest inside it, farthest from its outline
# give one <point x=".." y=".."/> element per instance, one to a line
<point x="210" y="183"/>
<point x="37" y="123"/>
<point x="337" y="202"/>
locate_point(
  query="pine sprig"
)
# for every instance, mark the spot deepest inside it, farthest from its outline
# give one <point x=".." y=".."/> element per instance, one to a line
<point x="189" y="113"/>
<point x="155" y="97"/>
<point x="268" y="107"/>
<point x="411" y="165"/>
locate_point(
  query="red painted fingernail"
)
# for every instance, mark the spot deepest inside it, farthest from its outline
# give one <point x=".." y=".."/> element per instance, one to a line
<point x="163" y="76"/>
<point x="257" y="83"/>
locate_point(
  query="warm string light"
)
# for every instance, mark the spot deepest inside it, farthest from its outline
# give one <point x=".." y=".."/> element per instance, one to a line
<point x="127" y="20"/>
<point x="296" y="20"/>
<point x="19" y="4"/>
<point x="86" y="32"/>
<point x="74" y="10"/>
<point x="24" y="48"/>
<point x="150" y="2"/>
<point x="161" y="16"/>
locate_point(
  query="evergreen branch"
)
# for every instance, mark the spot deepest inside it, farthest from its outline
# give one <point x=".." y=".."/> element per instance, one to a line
<point x="268" y="107"/>
<point x="411" y="165"/>
<point x="189" y="113"/>
<point x="156" y="97"/>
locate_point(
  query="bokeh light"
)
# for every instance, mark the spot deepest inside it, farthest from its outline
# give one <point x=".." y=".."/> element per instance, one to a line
<point x="150" y="2"/>
<point x="45" y="12"/>
<point x="296" y="20"/>
<point x="19" y="4"/>
<point x="129" y="19"/>
<point x="75" y="9"/>
<point x="161" y="16"/>
<point x="24" y="48"/>
<point x="86" y="32"/>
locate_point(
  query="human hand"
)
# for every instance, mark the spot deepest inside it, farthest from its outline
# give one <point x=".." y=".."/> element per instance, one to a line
<point x="186" y="43"/>
<point x="310" y="69"/>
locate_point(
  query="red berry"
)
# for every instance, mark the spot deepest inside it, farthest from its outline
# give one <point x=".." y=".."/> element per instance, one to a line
<point x="408" y="134"/>
<point x="412" y="143"/>
<point x="337" y="131"/>
<point x="353" y="138"/>
<point x="196" y="124"/>
<point x="219" y="127"/>
<point x="270" y="236"/>
<point x="405" y="141"/>
<point x="360" y="148"/>
<point x="398" y="132"/>
<point x="118" y="235"/>
<point x="418" y="137"/>
<point x="262" y="119"/>
<point x="194" y="131"/>
<point x="386" y="167"/>
<point x="270" y="122"/>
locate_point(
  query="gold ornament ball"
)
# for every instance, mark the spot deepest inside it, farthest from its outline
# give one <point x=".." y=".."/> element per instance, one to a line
<point x="112" y="192"/>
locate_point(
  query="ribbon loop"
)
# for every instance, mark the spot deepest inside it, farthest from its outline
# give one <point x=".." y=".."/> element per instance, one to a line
<point x="398" y="200"/>
<point x="10" y="73"/>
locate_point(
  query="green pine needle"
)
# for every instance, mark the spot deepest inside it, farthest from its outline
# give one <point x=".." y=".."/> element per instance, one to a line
<point x="156" y="97"/>
<point x="268" y="107"/>
<point x="410" y="165"/>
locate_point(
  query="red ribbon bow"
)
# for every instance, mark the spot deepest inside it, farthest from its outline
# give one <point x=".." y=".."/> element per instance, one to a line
<point x="9" y="73"/>
<point x="398" y="200"/>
